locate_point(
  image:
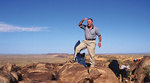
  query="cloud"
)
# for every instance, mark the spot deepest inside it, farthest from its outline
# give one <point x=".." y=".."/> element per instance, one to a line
<point x="11" y="28"/>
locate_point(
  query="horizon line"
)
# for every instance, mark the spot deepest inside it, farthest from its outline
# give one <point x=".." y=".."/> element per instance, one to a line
<point x="64" y="53"/>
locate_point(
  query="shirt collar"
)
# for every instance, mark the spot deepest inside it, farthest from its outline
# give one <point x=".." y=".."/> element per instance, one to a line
<point x="92" y="27"/>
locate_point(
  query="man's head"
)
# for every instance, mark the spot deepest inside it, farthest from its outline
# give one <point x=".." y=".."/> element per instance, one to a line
<point x="90" y="21"/>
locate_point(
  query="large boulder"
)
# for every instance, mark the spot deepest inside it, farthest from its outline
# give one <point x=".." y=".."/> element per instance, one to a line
<point x="102" y="75"/>
<point x="76" y="73"/>
<point x="73" y="73"/>
<point x="7" y="77"/>
<point x="8" y="67"/>
<point x="9" y="73"/>
<point x="39" y="72"/>
<point x="30" y="81"/>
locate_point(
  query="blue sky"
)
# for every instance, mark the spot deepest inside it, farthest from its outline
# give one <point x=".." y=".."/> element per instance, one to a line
<point x="51" y="26"/>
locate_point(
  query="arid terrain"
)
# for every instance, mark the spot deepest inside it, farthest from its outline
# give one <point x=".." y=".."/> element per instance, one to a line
<point x="22" y="60"/>
<point x="59" y="68"/>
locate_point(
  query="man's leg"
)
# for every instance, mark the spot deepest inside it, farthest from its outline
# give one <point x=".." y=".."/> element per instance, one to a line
<point x="80" y="47"/>
<point x="91" y="50"/>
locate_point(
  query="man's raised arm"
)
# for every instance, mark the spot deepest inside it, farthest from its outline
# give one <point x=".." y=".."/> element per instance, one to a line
<point x="80" y="24"/>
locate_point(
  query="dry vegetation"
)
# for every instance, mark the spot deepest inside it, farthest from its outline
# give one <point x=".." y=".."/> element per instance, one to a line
<point x="22" y="60"/>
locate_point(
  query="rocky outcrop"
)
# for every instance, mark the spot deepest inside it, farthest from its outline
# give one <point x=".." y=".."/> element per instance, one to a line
<point x="8" y="74"/>
<point x="76" y="73"/>
<point x="56" y="73"/>
<point x="40" y="72"/>
<point x="73" y="73"/>
<point x="142" y="71"/>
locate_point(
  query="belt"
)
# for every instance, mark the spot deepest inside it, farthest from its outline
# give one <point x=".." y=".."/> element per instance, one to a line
<point x="90" y="39"/>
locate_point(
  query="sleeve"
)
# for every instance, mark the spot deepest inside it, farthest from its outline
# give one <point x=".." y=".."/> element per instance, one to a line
<point x="97" y="32"/>
<point x="82" y="26"/>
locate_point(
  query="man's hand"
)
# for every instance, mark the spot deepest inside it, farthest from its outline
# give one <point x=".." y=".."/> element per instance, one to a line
<point x="99" y="44"/>
<point x="85" y="18"/>
<point x="82" y="22"/>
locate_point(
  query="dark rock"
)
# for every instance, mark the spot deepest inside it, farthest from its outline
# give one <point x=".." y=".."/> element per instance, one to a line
<point x="39" y="72"/>
<point x="140" y="71"/>
<point x="114" y="66"/>
<point x="7" y="77"/>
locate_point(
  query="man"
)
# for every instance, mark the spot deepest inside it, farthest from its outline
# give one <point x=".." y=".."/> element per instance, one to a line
<point x="90" y="39"/>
